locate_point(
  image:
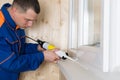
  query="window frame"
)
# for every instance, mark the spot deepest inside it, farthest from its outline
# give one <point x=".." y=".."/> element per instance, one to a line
<point x="77" y="31"/>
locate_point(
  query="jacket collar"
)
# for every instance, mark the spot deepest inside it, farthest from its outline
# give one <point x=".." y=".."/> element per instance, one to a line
<point x="7" y="16"/>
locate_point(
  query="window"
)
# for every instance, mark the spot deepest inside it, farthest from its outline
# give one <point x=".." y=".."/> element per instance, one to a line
<point x="94" y="24"/>
<point x="85" y="22"/>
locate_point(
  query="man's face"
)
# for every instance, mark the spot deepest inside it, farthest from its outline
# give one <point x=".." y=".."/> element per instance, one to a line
<point x="25" y="19"/>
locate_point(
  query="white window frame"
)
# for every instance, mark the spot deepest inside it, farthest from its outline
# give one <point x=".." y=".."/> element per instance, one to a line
<point x="105" y="37"/>
<point x="110" y="30"/>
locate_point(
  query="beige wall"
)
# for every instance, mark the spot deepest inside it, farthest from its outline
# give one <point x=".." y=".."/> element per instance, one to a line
<point x="4" y="1"/>
<point x="52" y="26"/>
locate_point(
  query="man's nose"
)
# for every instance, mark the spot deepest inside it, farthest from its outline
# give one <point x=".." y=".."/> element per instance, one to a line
<point x="30" y="23"/>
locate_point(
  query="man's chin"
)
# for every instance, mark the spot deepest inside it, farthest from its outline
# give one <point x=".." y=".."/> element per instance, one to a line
<point x="24" y="27"/>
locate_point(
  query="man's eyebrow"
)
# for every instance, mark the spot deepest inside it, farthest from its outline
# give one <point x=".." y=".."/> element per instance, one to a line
<point x="31" y="19"/>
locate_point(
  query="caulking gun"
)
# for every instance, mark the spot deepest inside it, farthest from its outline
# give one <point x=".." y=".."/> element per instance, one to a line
<point x="47" y="46"/>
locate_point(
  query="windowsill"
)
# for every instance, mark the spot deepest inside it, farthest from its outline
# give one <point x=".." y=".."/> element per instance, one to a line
<point x="88" y="63"/>
<point x="89" y="57"/>
<point x="73" y="71"/>
<point x="89" y="67"/>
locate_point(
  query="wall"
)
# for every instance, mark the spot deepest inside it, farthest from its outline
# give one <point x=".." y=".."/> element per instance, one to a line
<point x="51" y="26"/>
<point x="4" y="1"/>
<point x="97" y="19"/>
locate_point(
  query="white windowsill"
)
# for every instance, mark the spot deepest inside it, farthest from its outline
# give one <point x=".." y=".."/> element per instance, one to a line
<point x="89" y="66"/>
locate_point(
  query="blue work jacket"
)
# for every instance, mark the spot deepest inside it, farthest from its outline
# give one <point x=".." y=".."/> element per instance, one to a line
<point x="15" y="54"/>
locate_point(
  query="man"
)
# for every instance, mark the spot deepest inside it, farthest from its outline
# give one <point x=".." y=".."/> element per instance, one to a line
<point x="15" y="55"/>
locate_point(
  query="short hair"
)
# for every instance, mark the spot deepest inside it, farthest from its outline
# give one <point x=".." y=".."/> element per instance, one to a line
<point x="27" y="4"/>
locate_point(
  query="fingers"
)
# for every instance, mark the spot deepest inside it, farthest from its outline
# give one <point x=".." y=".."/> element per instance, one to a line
<point x="56" y="49"/>
<point x="40" y="48"/>
<point x="50" y="56"/>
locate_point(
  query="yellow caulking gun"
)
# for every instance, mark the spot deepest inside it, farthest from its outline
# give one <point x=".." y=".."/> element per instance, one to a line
<point x="48" y="46"/>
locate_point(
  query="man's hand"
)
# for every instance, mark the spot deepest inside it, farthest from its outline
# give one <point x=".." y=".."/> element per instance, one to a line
<point x="40" y="48"/>
<point x="51" y="56"/>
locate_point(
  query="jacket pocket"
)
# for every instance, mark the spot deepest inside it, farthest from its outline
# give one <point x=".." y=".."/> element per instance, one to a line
<point x="14" y="44"/>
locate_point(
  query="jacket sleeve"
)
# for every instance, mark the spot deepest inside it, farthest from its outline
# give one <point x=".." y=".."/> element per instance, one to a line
<point x="11" y="61"/>
<point x="29" y="48"/>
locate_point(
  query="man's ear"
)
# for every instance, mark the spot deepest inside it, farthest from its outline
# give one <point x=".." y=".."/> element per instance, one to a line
<point x="13" y="12"/>
<point x="14" y="9"/>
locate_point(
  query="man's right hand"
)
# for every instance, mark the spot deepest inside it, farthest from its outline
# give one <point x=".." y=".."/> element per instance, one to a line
<point x="51" y="56"/>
